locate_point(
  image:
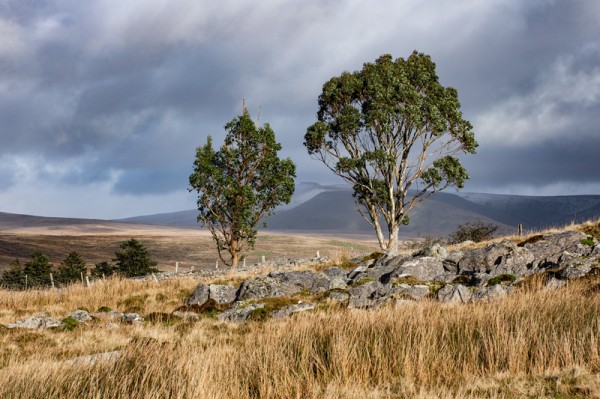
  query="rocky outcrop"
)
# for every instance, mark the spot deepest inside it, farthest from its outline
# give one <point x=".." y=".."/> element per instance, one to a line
<point x="468" y="275"/>
<point x="35" y="323"/>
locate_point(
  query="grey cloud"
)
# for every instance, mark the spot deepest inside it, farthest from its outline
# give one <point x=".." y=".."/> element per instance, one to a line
<point x="135" y="95"/>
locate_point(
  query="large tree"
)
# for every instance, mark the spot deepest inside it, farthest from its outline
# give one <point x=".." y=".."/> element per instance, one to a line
<point x="240" y="184"/>
<point x="387" y="129"/>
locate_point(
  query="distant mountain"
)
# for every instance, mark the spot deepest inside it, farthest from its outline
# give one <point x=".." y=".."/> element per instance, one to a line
<point x="331" y="209"/>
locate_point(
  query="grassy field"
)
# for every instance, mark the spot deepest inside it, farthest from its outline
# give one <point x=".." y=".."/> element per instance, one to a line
<point x="165" y="245"/>
<point x="536" y="343"/>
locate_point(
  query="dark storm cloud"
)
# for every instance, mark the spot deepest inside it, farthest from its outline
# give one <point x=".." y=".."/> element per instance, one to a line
<point x="123" y="92"/>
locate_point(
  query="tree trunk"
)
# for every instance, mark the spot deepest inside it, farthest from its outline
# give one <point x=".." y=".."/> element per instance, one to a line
<point x="392" y="246"/>
<point x="235" y="253"/>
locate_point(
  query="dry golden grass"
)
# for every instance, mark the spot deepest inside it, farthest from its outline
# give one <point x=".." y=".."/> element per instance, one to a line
<point x="536" y="343"/>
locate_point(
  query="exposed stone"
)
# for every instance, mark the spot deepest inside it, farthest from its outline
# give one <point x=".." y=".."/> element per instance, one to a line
<point x="416" y="292"/>
<point x="334" y="272"/>
<point x="493" y="293"/>
<point x="265" y="287"/>
<point x="450" y="263"/>
<point x="339" y="296"/>
<point x="454" y="294"/>
<point x="222" y="294"/>
<point x="132" y="318"/>
<point x="548" y="249"/>
<point x="507" y="258"/>
<point x="435" y="250"/>
<point x="554" y="283"/>
<point x="426" y="268"/>
<point x="35" y="323"/>
<point x="357" y="271"/>
<point x="81" y="316"/>
<point x="473" y="261"/>
<point x="369" y="295"/>
<point x="288" y="310"/>
<point x="239" y="312"/>
<point x="303" y="280"/>
<point x="200" y="295"/>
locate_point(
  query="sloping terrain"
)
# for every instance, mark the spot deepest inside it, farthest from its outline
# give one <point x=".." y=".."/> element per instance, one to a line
<point x="331" y="209"/>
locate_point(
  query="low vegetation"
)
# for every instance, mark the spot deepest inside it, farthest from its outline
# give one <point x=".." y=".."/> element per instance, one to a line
<point x="536" y="343"/>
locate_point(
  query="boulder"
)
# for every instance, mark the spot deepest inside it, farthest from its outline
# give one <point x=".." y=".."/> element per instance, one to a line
<point x="407" y="291"/>
<point x="132" y="318"/>
<point x="288" y="310"/>
<point x="222" y="294"/>
<point x="304" y="280"/>
<point x="425" y="269"/>
<point x="335" y="272"/>
<point x="338" y="296"/>
<point x="507" y="258"/>
<point x="265" y="287"/>
<point x="435" y="250"/>
<point x="81" y="316"/>
<point x="369" y="295"/>
<point x="493" y="293"/>
<point x="548" y="249"/>
<point x="473" y="261"/>
<point x="454" y="294"/>
<point x="450" y="263"/>
<point x="239" y="312"/>
<point x="35" y="323"/>
<point x="501" y="258"/>
<point x="200" y="295"/>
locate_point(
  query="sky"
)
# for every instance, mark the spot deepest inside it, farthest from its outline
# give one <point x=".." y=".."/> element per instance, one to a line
<point x="103" y="103"/>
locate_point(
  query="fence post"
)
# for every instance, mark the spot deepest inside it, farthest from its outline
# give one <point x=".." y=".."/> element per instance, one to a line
<point x="263" y="259"/>
<point x="244" y="260"/>
<point x="217" y="265"/>
<point x="25" y="281"/>
<point x="87" y="280"/>
<point x="51" y="280"/>
<point x="520" y="229"/>
<point x="82" y="278"/>
<point x="176" y="267"/>
<point x="318" y="255"/>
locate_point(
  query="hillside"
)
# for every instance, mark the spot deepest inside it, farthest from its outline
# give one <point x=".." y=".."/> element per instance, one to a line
<point x="331" y="209"/>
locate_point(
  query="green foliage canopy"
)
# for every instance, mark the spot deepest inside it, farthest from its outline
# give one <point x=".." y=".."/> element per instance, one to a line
<point x="388" y="128"/>
<point x="71" y="268"/>
<point x="240" y="184"/>
<point x="133" y="259"/>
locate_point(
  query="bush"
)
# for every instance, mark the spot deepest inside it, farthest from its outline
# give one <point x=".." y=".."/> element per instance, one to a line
<point x="473" y="231"/>
<point x="103" y="269"/>
<point x="71" y="269"/>
<point x="133" y="260"/>
<point x="38" y="270"/>
<point x="13" y="278"/>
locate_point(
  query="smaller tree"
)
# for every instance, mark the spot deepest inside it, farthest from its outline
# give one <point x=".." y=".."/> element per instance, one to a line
<point x="473" y="231"/>
<point x="133" y="259"/>
<point x="71" y="268"/>
<point x="14" y="278"/>
<point x="103" y="269"/>
<point x="240" y="184"/>
<point x="38" y="270"/>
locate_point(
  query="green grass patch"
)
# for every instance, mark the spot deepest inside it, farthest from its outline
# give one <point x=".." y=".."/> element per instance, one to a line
<point x="589" y="241"/>
<point x="69" y="324"/>
<point x="363" y="281"/>
<point x="501" y="279"/>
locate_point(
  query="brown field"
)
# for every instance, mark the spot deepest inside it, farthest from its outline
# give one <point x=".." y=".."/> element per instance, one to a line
<point x="166" y="245"/>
